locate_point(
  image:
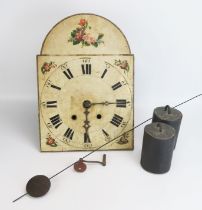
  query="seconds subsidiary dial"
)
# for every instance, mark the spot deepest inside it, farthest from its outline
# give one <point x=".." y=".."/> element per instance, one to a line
<point x="85" y="102"/>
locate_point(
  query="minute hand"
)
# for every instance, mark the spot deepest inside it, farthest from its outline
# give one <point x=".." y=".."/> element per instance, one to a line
<point x="106" y="103"/>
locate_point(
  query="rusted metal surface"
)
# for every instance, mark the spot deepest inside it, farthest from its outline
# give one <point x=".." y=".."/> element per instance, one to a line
<point x="80" y="166"/>
<point x="38" y="186"/>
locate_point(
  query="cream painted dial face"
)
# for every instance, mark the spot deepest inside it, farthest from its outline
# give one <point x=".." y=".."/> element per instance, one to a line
<point x="79" y="81"/>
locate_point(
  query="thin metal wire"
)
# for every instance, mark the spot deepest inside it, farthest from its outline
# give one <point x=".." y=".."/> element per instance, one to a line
<point x="63" y="170"/>
<point x="133" y="128"/>
<point x="19" y="197"/>
<point x="188" y="100"/>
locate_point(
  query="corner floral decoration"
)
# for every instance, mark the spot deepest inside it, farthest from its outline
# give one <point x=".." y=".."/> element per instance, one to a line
<point x="122" y="64"/>
<point x="81" y="35"/>
<point x="123" y="139"/>
<point x="46" y="67"/>
<point x="51" y="141"/>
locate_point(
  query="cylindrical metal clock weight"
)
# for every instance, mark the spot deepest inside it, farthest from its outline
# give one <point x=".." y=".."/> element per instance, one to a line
<point x="157" y="149"/>
<point x="170" y="116"/>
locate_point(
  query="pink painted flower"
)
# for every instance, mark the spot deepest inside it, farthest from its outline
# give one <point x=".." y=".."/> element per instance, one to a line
<point x="46" y="66"/>
<point x="51" y="141"/>
<point x="124" y="65"/>
<point x="89" y="39"/>
<point x="79" y="35"/>
<point x="92" y="40"/>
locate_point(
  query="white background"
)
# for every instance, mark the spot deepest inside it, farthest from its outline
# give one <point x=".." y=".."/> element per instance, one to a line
<point x="166" y="38"/>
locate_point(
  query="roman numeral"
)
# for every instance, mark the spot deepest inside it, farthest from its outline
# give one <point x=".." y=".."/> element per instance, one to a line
<point x="86" y="68"/>
<point x="56" y="87"/>
<point x="116" y="120"/>
<point x="103" y="74"/>
<point x="56" y="121"/>
<point x="116" y="86"/>
<point x="121" y="103"/>
<point x="68" y="74"/>
<point x="69" y="133"/>
<point x="105" y="133"/>
<point x="86" y="138"/>
<point x="51" y="104"/>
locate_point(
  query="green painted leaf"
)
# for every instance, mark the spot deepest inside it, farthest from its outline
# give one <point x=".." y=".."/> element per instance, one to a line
<point x="100" y="41"/>
<point x="100" y="36"/>
<point x="86" y="44"/>
<point x="95" y="44"/>
<point x="75" y="42"/>
<point x="73" y="33"/>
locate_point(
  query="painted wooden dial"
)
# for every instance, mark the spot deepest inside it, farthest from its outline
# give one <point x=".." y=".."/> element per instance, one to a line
<point x="69" y="86"/>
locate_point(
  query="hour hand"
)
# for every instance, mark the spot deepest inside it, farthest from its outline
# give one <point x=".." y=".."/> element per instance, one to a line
<point x="86" y="105"/>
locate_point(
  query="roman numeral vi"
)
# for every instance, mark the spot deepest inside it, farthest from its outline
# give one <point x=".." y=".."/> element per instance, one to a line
<point x="86" y="138"/>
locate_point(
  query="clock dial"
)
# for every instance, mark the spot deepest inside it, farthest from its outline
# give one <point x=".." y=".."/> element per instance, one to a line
<point x="85" y="102"/>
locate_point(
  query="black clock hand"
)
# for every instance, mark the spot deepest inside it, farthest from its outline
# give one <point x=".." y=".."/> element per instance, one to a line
<point x="86" y="105"/>
<point x="106" y="103"/>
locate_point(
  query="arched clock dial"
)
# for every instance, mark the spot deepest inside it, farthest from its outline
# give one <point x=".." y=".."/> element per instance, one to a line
<point x="85" y="102"/>
<point x="85" y="86"/>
